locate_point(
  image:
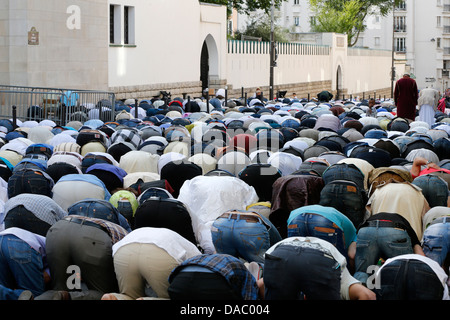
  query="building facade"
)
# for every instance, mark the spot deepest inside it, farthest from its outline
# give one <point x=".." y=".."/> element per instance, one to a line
<point x="138" y="48"/>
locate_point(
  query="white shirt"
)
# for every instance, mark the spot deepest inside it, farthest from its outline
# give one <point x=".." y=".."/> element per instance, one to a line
<point x="346" y="278"/>
<point x="208" y="197"/>
<point x="174" y="244"/>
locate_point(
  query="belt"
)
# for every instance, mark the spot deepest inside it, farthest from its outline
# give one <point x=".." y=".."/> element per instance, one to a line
<point x="440" y="220"/>
<point x="240" y="216"/>
<point x="385" y="224"/>
<point x="87" y="223"/>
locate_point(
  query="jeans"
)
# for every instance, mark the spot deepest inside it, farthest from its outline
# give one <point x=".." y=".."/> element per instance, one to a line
<point x="241" y="238"/>
<point x="95" y="208"/>
<point x="434" y="189"/>
<point x="20" y="217"/>
<point x="21" y="267"/>
<point x="405" y="279"/>
<point x="378" y="242"/>
<point x="346" y="198"/>
<point x="29" y="181"/>
<point x="314" y="225"/>
<point x="436" y="240"/>
<point x="295" y="272"/>
<point x="344" y="171"/>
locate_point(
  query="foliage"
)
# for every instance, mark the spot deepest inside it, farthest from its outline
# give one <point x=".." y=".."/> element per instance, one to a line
<point x="260" y="27"/>
<point x="347" y="16"/>
<point x="247" y="6"/>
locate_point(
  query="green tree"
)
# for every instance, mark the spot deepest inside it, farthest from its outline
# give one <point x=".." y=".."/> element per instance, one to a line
<point x="247" y="6"/>
<point x="347" y="16"/>
<point x="259" y="26"/>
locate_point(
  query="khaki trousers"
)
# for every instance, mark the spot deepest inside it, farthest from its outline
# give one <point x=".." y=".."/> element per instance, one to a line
<point x="138" y="264"/>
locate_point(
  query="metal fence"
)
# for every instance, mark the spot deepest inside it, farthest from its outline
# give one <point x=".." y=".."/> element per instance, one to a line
<point x="56" y="104"/>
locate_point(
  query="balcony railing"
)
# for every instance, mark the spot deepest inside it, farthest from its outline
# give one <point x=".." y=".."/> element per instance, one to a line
<point x="401" y="28"/>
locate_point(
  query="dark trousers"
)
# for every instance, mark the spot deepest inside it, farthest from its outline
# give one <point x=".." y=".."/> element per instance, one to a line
<point x="195" y="285"/>
<point x="29" y="181"/>
<point x="165" y="213"/>
<point x="87" y="247"/>
<point x="20" y="217"/>
<point x="294" y="272"/>
<point x="406" y="279"/>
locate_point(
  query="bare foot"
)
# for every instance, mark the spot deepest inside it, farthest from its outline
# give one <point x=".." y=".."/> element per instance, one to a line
<point x="109" y="296"/>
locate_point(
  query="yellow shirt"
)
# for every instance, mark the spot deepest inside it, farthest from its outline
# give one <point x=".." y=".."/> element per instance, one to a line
<point x="403" y="198"/>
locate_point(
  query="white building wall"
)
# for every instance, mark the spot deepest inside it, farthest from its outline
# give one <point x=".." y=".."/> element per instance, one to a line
<point x="72" y="48"/>
<point x="164" y="52"/>
<point x="155" y="56"/>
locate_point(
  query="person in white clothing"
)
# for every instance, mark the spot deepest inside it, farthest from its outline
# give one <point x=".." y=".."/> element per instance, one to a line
<point x="427" y="105"/>
<point x="146" y="256"/>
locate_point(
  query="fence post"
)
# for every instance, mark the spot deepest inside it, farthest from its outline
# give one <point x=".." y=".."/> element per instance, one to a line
<point x="14" y="113"/>
<point x="136" y="113"/>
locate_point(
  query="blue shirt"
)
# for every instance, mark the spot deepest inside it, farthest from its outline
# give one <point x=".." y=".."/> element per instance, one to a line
<point x="330" y="213"/>
<point x="86" y="178"/>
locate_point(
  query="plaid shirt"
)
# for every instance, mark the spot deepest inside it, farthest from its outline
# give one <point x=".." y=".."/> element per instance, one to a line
<point x="231" y="268"/>
<point x="115" y="231"/>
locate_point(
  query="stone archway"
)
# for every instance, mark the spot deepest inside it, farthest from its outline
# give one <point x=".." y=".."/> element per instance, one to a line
<point x="209" y="62"/>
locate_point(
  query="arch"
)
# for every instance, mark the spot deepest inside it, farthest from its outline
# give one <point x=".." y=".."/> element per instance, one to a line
<point x="209" y="61"/>
<point x="338" y="82"/>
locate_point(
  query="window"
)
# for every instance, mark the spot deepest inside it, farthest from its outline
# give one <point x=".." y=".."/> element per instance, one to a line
<point x="400" y="24"/>
<point x="125" y="25"/>
<point x="400" y="44"/>
<point x="296" y="1"/>
<point x="114" y="24"/>
<point x="121" y="29"/>
<point x="230" y="26"/>
<point x="128" y="24"/>
<point x="297" y="21"/>
<point x="111" y="24"/>
<point x="377" y="41"/>
<point x="401" y="6"/>
<point x="312" y="21"/>
<point x="438" y="42"/>
<point x="438" y="21"/>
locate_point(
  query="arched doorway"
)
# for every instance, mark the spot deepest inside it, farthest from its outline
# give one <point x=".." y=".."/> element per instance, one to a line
<point x="209" y="62"/>
<point x="338" y="82"/>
